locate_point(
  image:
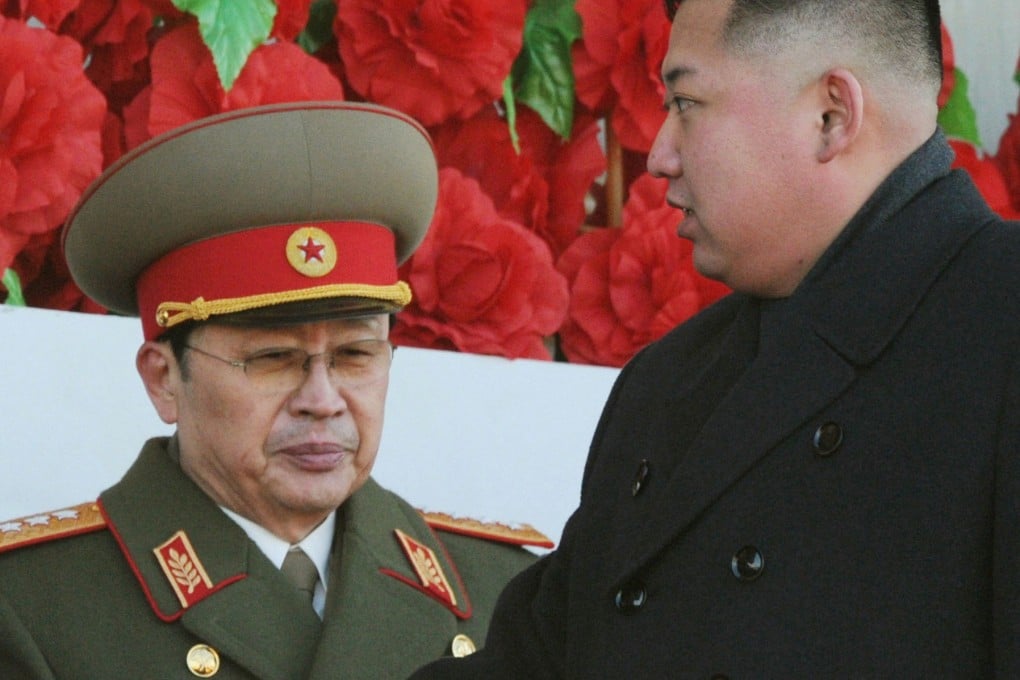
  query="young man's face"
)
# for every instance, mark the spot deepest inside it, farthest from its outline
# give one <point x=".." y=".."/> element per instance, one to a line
<point x="737" y="145"/>
<point x="282" y="453"/>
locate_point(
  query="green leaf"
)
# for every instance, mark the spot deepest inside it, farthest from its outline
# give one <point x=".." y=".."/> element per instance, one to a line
<point x="13" y="285"/>
<point x="511" y="112"/>
<point x="957" y="118"/>
<point x="231" y="29"/>
<point x="319" y="29"/>
<point x="543" y="72"/>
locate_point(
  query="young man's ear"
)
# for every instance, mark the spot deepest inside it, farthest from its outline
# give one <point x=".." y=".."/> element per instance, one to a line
<point x="160" y="375"/>
<point x="842" y="112"/>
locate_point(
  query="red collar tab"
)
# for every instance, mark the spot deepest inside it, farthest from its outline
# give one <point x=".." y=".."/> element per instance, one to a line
<point x="183" y="569"/>
<point x="427" y="567"/>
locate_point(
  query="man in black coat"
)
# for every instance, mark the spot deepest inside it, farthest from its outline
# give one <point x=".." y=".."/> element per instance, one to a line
<point x="818" y="477"/>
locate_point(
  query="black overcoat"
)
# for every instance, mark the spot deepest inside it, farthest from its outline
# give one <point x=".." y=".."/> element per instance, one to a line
<point x="846" y="503"/>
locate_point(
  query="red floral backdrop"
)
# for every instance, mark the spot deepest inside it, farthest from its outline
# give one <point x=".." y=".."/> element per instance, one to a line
<point x="549" y="241"/>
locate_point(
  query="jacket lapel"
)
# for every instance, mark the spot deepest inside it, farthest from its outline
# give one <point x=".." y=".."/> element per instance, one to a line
<point x="247" y="601"/>
<point x="764" y="406"/>
<point x="262" y="623"/>
<point x="367" y="601"/>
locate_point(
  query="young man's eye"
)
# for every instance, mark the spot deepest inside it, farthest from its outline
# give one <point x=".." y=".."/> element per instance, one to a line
<point x="681" y="104"/>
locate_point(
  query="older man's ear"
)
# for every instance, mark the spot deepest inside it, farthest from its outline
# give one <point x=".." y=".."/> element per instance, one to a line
<point x="160" y="376"/>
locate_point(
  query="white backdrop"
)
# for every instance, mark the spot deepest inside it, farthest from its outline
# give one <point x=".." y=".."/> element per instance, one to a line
<point x="479" y="436"/>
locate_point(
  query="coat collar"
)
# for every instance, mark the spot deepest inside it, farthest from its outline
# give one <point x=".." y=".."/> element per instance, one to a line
<point x="371" y="584"/>
<point x="152" y="503"/>
<point x="373" y="593"/>
<point x="866" y="286"/>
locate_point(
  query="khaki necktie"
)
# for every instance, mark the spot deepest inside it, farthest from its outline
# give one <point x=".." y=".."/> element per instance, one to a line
<point x="299" y="568"/>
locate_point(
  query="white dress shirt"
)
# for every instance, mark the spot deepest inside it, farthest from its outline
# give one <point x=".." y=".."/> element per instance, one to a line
<point x="317" y="545"/>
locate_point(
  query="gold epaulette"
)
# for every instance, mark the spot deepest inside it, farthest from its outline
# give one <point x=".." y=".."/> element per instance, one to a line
<point x="520" y="534"/>
<point x="48" y="526"/>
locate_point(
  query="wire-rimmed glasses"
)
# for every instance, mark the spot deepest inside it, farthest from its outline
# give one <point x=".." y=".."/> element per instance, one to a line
<point x="284" y="369"/>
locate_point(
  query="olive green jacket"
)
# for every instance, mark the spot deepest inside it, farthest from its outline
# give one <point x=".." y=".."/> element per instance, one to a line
<point x="83" y="593"/>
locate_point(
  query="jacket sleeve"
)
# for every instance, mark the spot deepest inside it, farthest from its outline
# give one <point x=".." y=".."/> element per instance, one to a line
<point x="19" y="656"/>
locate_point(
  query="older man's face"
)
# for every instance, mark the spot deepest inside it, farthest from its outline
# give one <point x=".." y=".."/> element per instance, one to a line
<point x="283" y="453"/>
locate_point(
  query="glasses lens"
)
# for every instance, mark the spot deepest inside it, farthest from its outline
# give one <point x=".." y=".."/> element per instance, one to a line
<point x="353" y="364"/>
<point x="362" y="362"/>
<point x="276" y="369"/>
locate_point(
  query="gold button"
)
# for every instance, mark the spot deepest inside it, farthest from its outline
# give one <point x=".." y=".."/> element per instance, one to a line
<point x="462" y="645"/>
<point x="203" y="661"/>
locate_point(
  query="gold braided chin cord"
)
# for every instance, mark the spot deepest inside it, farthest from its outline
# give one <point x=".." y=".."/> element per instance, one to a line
<point x="169" y="314"/>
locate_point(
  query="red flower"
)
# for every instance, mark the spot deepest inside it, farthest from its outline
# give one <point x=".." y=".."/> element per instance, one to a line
<point x="50" y="122"/>
<point x="185" y="86"/>
<point x="113" y="139"/>
<point x="164" y="9"/>
<point x="291" y="17"/>
<point x="630" y="286"/>
<point x="986" y="175"/>
<point x="432" y="59"/>
<point x="50" y="13"/>
<point x="1008" y="156"/>
<point x="948" y="68"/>
<point x="42" y="267"/>
<point x="617" y="65"/>
<point x="481" y="283"/>
<point x="12" y="244"/>
<point x="115" y="34"/>
<point x="544" y="186"/>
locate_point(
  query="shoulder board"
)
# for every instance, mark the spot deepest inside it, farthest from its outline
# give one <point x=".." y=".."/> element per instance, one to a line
<point x="519" y="534"/>
<point x="49" y="526"/>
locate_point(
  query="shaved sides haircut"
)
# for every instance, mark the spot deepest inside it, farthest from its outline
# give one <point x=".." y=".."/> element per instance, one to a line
<point x="901" y="39"/>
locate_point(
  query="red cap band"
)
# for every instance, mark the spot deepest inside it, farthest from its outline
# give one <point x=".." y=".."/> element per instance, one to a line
<point x="265" y="266"/>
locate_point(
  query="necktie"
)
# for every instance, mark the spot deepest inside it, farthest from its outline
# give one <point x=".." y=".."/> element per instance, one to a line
<point x="299" y="568"/>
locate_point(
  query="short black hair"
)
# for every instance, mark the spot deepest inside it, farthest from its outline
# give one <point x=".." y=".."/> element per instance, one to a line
<point x="908" y="32"/>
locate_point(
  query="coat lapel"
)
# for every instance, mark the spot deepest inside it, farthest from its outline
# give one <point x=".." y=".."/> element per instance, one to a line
<point x="247" y="602"/>
<point x="367" y="602"/>
<point x="813" y="345"/>
<point x="764" y="406"/>
<point x="262" y="623"/>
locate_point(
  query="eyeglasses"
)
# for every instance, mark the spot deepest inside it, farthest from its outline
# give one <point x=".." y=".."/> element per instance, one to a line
<point x="284" y="369"/>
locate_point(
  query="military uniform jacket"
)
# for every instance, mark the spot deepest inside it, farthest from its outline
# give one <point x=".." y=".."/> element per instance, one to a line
<point x="849" y="507"/>
<point x="100" y="605"/>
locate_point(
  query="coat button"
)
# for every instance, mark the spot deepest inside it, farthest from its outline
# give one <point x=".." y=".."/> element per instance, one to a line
<point x="203" y="661"/>
<point x="640" y="477"/>
<point x="631" y="597"/>
<point x="827" y="439"/>
<point x="462" y="646"/>
<point x="747" y="564"/>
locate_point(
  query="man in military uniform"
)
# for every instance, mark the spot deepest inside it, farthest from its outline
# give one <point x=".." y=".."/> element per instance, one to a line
<point x="260" y="249"/>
